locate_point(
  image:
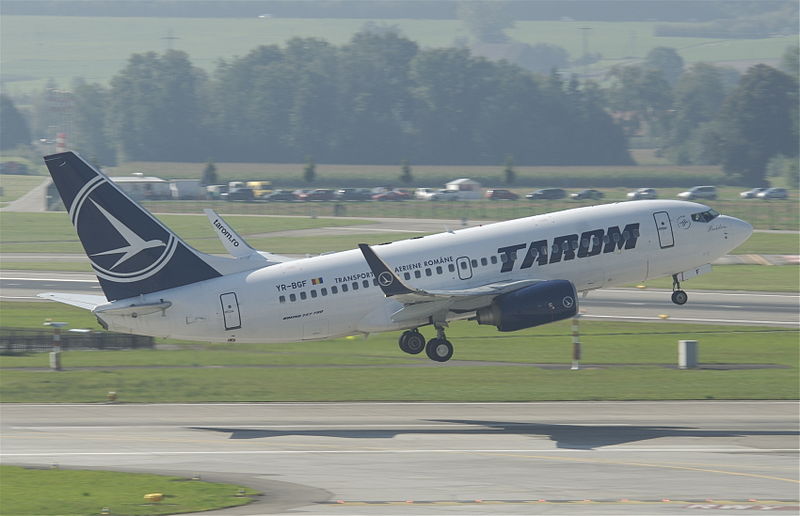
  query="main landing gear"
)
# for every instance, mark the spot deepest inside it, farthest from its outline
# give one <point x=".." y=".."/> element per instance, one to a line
<point x="679" y="297"/>
<point x="438" y="348"/>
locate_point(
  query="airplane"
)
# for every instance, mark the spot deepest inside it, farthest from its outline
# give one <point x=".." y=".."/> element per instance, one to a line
<point x="513" y="275"/>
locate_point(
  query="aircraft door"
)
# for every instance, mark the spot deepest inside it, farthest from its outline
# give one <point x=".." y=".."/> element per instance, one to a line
<point x="664" y="227"/>
<point x="464" y="267"/>
<point x="230" y="311"/>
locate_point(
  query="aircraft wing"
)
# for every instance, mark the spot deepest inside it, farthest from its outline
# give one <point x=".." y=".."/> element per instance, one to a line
<point x="423" y="303"/>
<point x="85" y="301"/>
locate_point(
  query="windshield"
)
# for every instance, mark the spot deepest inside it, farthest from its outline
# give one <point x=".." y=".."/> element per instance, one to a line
<point x="705" y="216"/>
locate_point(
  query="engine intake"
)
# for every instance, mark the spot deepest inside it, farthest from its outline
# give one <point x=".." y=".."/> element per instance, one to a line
<point x="531" y="306"/>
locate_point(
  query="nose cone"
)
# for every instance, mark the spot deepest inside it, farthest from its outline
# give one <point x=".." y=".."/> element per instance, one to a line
<point x="738" y="231"/>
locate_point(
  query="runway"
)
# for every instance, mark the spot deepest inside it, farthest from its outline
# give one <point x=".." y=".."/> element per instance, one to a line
<point x="439" y="458"/>
<point x="710" y="307"/>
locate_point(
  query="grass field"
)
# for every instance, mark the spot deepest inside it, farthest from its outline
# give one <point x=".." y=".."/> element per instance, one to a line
<point x="628" y="358"/>
<point x="13" y="187"/>
<point x="23" y="491"/>
<point x="37" y="48"/>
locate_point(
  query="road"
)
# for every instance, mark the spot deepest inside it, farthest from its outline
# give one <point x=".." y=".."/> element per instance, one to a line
<point x="717" y="307"/>
<point x="438" y="458"/>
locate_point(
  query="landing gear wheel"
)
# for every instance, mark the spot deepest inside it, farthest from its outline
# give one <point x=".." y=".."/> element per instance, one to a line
<point x="679" y="297"/>
<point x="412" y="342"/>
<point x="439" y="350"/>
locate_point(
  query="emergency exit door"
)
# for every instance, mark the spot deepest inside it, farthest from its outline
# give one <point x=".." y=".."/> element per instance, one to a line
<point x="230" y="311"/>
<point x="664" y="227"/>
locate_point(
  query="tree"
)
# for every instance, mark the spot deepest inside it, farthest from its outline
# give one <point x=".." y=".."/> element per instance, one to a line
<point x="667" y="61"/>
<point x="209" y="173"/>
<point x="310" y="170"/>
<point x="790" y="62"/>
<point x="486" y="21"/>
<point x="405" y="174"/>
<point x="155" y="107"/>
<point x="90" y="114"/>
<point x="759" y="121"/>
<point x="644" y="93"/>
<point x="13" y="127"/>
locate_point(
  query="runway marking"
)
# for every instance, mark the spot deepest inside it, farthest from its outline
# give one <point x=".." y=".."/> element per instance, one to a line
<point x="753" y="504"/>
<point x="61" y="280"/>
<point x="701" y="293"/>
<point x="509" y="453"/>
<point x="690" y="319"/>
<point x="648" y="465"/>
<point x="280" y="404"/>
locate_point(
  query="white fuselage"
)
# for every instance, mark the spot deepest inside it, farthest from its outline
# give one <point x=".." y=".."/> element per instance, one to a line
<point x="335" y="295"/>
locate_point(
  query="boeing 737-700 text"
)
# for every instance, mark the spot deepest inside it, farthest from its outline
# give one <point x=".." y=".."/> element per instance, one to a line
<point x="513" y="275"/>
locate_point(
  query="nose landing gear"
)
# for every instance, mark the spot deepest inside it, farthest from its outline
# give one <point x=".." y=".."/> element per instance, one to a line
<point x="679" y="297"/>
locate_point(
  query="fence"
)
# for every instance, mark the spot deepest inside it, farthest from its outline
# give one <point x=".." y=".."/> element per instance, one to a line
<point x="761" y="214"/>
<point x="14" y="341"/>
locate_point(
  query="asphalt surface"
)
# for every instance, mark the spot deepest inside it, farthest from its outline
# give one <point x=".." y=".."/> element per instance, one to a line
<point x="710" y="307"/>
<point x="438" y="458"/>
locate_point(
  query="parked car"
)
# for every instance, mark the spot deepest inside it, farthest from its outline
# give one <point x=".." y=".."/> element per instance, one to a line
<point x="643" y="193"/>
<point x="280" y="195"/>
<point x="446" y="195"/>
<point x="424" y="194"/>
<point x="587" y="194"/>
<point x="699" y="192"/>
<point x="391" y="195"/>
<point x="500" y="194"/>
<point x="353" y="194"/>
<point x="237" y="191"/>
<point x="751" y="194"/>
<point x="320" y="194"/>
<point x="774" y="193"/>
<point x="547" y="193"/>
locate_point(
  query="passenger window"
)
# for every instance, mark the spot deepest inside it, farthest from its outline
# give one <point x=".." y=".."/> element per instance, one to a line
<point x="344" y="287"/>
<point x="493" y="259"/>
<point x="313" y="293"/>
<point x="334" y="290"/>
<point x="407" y="275"/>
<point x="282" y="299"/>
<point x="474" y="262"/>
<point x="355" y="285"/>
<point x="417" y="274"/>
<point x="292" y="298"/>
<point x="463" y="265"/>
<point x="323" y="291"/>
<point x="428" y="272"/>
<point x="365" y="283"/>
<point x="374" y="282"/>
<point x="484" y="262"/>
<point x="439" y="269"/>
<point x="451" y="268"/>
<point x="303" y="295"/>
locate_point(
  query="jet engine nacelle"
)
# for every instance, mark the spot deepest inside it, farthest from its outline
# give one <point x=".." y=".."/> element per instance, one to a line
<point x="542" y="303"/>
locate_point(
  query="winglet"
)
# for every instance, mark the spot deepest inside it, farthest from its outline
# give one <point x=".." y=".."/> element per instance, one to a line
<point x="387" y="280"/>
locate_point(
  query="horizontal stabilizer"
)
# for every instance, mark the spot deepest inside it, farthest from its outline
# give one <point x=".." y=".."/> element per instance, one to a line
<point x="85" y="301"/>
<point x="134" y="310"/>
<point x="235" y="244"/>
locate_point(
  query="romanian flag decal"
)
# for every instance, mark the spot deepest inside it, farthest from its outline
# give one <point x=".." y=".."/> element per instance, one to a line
<point x="316" y="281"/>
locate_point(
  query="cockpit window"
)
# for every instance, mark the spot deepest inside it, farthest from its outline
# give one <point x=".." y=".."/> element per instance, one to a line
<point x="705" y="216"/>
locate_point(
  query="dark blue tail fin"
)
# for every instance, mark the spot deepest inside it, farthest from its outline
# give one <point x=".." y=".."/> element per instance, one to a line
<point x="131" y="252"/>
